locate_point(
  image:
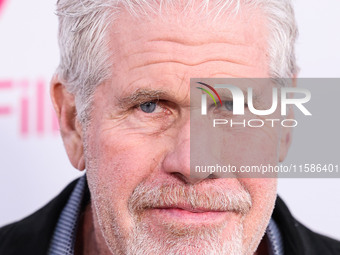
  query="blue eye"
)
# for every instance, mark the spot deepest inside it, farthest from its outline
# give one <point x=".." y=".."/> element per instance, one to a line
<point x="229" y="105"/>
<point x="148" y="107"/>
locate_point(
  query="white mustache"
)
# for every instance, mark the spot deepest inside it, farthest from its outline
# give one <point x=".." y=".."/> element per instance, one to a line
<point x="215" y="198"/>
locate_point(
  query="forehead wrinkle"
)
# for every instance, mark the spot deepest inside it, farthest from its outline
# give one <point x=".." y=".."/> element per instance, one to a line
<point x="188" y="55"/>
<point x="222" y="67"/>
<point x="169" y="43"/>
<point x="224" y="75"/>
<point x="181" y="63"/>
<point x="189" y="42"/>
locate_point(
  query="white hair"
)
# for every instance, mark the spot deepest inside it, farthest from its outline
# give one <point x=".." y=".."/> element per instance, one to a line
<point x="85" y="58"/>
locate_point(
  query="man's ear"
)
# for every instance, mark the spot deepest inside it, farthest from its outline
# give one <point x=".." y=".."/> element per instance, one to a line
<point x="70" y="128"/>
<point x="287" y="132"/>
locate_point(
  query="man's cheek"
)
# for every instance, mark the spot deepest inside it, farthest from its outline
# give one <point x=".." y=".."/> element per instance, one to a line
<point x="120" y="167"/>
<point x="125" y="162"/>
<point x="263" y="195"/>
<point x="262" y="191"/>
<point x="259" y="185"/>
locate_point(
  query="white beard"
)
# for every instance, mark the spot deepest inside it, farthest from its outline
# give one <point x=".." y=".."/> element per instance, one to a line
<point x="194" y="242"/>
<point x="175" y="239"/>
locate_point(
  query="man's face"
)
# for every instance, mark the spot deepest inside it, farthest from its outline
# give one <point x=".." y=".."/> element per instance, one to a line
<point x="138" y="141"/>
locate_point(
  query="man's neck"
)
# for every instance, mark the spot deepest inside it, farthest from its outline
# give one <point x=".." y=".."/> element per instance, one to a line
<point x="87" y="240"/>
<point x="263" y="247"/>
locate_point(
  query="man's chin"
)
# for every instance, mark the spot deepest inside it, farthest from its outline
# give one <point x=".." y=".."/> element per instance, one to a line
<point x="171" y="223"/>
<point x="174" y="238"/>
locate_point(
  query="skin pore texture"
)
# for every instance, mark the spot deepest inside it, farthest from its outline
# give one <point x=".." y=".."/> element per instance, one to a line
<point x="143" y="198"/>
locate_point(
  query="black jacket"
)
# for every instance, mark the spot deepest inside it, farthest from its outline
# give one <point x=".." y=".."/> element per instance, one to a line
<point x="32" y="235"/>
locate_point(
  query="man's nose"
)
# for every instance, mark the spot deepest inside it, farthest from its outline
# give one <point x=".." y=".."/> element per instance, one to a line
<point x="177" y="160"/>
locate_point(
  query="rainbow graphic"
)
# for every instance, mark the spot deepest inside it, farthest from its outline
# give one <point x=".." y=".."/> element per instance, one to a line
<point x="209" y="93"/>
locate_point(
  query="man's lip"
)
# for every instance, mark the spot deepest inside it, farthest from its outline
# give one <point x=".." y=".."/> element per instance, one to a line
<point x="188" y="215"/>
<point x="187" y="208"/>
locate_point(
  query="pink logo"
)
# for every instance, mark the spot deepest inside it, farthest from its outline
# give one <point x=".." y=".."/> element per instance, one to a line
<point x="2" y="3"/>
<point x="31" y="110"/>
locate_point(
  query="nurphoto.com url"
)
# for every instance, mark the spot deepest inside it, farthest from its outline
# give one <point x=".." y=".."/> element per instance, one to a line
<point x="268" y="169"/>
